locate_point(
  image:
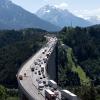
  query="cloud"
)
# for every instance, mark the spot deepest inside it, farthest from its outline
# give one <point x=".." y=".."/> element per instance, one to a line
<point x="87" y="14"/>
<point x="62" y="6"/>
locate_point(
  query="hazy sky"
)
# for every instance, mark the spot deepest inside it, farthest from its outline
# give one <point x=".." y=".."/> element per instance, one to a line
<point x="82" y="8"/>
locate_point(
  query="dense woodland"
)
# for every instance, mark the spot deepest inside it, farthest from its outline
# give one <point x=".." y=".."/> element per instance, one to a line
<point x="79" y="60"/>
<point x="15" y="48"/>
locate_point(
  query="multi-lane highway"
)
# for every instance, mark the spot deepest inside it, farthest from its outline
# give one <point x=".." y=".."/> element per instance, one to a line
<point x="33" y="78"/>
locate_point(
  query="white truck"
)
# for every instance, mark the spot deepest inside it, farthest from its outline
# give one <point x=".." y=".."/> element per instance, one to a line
<point x="52" y="84"/>
<point x="40" y="86"/>
<point x="67" y="95"/>
<point x="42" y="68"/>
<point x="49" y="95"/>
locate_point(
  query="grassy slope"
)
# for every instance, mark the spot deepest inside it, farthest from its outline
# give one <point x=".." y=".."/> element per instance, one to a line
<point x="12" y="98"/>
<point x="81" y="74"/>
<point x="98" y="97"/>
<point x="77" y="68"/>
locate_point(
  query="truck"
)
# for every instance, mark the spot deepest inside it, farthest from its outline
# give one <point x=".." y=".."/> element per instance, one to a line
<point x="49" y="95"/>
<point x="52" y="84"/>
<point x="67" y="95"/>
<point x="40" y="86"/>
<point x="42" y="68"/>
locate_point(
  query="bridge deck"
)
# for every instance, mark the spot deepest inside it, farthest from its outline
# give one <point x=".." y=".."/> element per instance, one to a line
<point x="29" y="85"/>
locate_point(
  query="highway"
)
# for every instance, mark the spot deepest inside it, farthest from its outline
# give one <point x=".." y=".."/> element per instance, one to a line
<point x="29" y="84"/>
<point x="33" y="73"/>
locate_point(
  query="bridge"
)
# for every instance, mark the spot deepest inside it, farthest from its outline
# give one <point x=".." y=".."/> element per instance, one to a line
<point x="34" y="75"/>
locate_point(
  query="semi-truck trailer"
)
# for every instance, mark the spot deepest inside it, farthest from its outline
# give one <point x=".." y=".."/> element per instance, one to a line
<point x="42" y="68"/>
<point x="67" y="95"/>
<point x="52" y="84"/>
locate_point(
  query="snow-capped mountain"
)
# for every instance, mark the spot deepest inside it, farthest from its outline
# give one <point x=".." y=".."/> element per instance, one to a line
<point x="60" y="17"/>
<point x="15" y="17"/>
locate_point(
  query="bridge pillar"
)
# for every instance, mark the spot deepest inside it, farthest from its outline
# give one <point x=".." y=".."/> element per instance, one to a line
<point x="22" y="95"/>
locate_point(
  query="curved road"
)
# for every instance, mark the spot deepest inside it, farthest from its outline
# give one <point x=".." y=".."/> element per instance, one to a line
<point x="31" y="79"/>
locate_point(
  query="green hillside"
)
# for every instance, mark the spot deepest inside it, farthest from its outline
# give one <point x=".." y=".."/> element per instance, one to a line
<point x="79" y="61"/>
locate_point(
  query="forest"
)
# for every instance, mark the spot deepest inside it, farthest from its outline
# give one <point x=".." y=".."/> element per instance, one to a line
<point x="15" y="48"/>
<point x="79" y="60"/>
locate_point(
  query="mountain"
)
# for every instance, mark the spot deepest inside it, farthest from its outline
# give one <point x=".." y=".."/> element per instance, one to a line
<point x="60" y="17"/>
<point x="15" y="17"/>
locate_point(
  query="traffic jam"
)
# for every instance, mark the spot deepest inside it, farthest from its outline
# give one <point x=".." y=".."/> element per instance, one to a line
<point x="45" y="86"/>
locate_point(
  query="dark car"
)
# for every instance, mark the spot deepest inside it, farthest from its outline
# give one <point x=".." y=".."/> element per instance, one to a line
<point x="43" y="76"/>
<point x="40" y="77"/>
<point x="39" y="72"/>
<point x="44" y="82"/>
<point x="32" y="69"/>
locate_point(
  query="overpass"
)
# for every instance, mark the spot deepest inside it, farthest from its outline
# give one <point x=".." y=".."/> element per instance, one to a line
<point x="39" y="69"/>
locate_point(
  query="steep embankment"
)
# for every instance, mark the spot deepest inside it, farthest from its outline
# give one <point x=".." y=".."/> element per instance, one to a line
<point x="80" y="70"/>
<point x="76" y="68"/>
<point x="69" y="69"/>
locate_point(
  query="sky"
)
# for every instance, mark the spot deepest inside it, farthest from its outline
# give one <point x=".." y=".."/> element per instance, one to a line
<point x="81" y="8"/>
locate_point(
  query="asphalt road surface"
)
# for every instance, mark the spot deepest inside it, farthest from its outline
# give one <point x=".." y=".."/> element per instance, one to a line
<point x="32" y="79"/>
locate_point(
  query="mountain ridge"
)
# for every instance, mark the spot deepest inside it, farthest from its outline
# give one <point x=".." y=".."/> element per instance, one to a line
<point x="13" y="16"/>
<point x="61" y="17"/>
